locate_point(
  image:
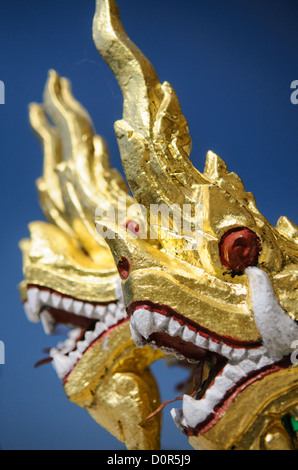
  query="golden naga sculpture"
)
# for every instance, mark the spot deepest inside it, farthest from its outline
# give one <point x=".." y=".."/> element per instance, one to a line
<point x="186" y="266"/>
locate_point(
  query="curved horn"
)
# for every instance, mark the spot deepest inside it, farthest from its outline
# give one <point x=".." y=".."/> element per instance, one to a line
<point x="153" y="134"/>
<point x="136" y="76"/>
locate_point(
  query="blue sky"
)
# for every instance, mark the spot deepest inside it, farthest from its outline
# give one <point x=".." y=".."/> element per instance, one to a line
<point x="231" y="64"/>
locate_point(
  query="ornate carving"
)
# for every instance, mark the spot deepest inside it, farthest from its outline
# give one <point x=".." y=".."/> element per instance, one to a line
<point x="205" y="277"/>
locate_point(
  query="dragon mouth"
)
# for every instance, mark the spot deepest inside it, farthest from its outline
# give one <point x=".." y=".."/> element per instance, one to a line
<point x="233" y="365"/>
<point x="86" y="323"/>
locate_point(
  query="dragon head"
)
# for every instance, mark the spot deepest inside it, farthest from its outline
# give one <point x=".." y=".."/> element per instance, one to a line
<point x="186" y="266"/>
<point x="220" y="286"/>
<point x="71" y="281"/>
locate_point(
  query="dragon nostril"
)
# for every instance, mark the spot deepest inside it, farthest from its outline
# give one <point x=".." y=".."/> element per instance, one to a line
<point x="239" y="248"/>
<point x="123" y="267"/>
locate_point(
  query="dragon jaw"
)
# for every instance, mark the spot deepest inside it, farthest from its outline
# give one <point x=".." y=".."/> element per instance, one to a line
<point x="278" y="332"/>
<point x="88" y="322"/>
<point x="55" y="293"/>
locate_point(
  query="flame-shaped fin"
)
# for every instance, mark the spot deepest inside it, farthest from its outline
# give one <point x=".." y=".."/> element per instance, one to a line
<point x="217" y="172"/>
<point x="48" y="185"/>
<point x="77" y="176"/>
<point x="71" y="119"/>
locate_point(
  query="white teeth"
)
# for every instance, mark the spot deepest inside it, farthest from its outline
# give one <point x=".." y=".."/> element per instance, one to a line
<point x="88" y="310"/>
<point x="66" y="346"/>
<point x="196" y="411"/>
<point x="77" y="306"/>
<point x="201" y="341"/>
<point x="174" y="327"/>
<point x="146" y="322"/>
<point x="233" y="372"/>
<point x="100" y="328"/>
<point x="143" y="321"/>
<point x="67" y="304"/>
<point x="33" y="299"/>
<point x="56" y="300"/>
<point x="160" y="321"/>
<point x="100" y="311"/>
<point x="242" y="361"/>
<point x="74" y="333"/>
<point x="109" y="319"/>
<point x="90" y="336"/>
<point x="61" y="363"/>
<point x="33" y="317"/>
<point x="256" y="353"/>
<point x="214" y="346"/>
<point x="264" y="361"/>
<point x="82" y="346"/>
<point x="223" y="383"/>
<point x="75" y="355"/>
<point x="247" y="366"/>
<point x="120" y="314"/>
<point x="44" y="296"/>
<point x="68" y="352"/>
<point x="47" y="322"/>
<point x="225" y="350"/>
<point x="188" y="335"/>
<point x="212" y="397"/>
<point x="112" y="308"/>
<point x="137" y="338"/>
<point x="238" y="353"/>
<point x="38" y="298"/>
<point x="194" y="414"/>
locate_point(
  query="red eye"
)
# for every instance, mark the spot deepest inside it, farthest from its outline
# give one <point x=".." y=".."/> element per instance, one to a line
<point x="239" y="248"/>
<point x="133" y="226"/>
<point x="123" y="267"/>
